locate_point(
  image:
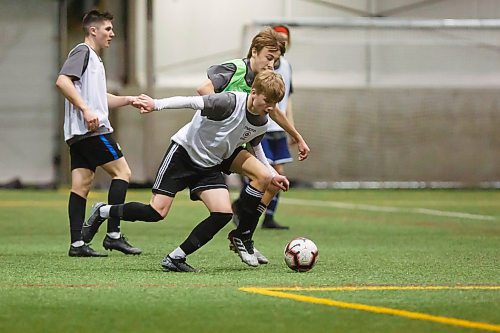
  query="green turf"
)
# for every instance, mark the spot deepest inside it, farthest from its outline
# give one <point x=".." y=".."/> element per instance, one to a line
<point x="44" y="290"/>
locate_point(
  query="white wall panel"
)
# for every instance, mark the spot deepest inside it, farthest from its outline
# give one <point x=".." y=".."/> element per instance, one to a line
<point x="28" y="68"/>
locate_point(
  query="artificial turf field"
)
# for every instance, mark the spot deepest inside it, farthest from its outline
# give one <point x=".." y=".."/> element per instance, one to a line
<point x="389" y="261"/>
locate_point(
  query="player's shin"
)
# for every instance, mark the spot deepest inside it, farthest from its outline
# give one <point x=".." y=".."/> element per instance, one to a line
<point x="260" y="210"/>
<point x="250" y="211"/>
<point x="76" y="212"/>
<point x="135" y="211"/>
<point x="116" y="195"/>
<point x="205" y="231"/>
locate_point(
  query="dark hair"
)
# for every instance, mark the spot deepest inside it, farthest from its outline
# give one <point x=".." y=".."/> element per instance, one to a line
<point x="93" y="17"/>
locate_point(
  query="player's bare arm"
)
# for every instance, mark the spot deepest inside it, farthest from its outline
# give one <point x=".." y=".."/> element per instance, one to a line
<point x="278" y="180"/>
<point x="206" y="88"/>
<point x="281" y="119"/>
<point x="289" y="116"/>
<point x="119" y="101"/>
<point x="65" y="84"/>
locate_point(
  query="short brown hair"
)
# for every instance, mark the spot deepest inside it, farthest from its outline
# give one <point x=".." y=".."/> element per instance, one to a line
<point x="93" y="17"/>
<point x="271" y="85"/>
<point x="267" y="38"/>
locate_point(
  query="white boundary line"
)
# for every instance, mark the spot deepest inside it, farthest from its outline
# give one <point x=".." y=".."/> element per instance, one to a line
<point x="387" y="209"/>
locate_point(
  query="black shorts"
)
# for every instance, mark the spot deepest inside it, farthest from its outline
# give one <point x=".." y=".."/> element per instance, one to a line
<point x="225" y="166"/>
<point x="177" y="171"/>
<point x="94" y="151"/>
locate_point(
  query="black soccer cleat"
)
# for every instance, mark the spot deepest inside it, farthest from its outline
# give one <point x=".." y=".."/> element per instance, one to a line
<point x="120" y="244"/>
<point x="170" y="264"/>
<point x="270" y="223"/>
<point x="93" y="223"/>
<point x="84" y="251"/>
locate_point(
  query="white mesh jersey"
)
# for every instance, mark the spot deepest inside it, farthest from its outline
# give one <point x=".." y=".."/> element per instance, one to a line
<point x="285" y="70"/>
<point x="220" y="126"/>
<point x="86" y="66"/>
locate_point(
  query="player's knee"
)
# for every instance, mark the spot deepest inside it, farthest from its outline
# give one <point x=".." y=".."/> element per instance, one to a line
<point x="84" y="181"/>
<point x="127" y="174"/>
<point x="82" y="188"/>
<point x="82" y="193"/>
<point x="124" y="174"/>
<point x="263" y="180"/>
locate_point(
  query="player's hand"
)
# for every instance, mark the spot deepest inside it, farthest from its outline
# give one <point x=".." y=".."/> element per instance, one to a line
<point x="131" y="100"/>
<point x="303" y="150"/>
<point x="144" y="103"/>
<point x="91" y="119"/>
<point x="281" y="182"/>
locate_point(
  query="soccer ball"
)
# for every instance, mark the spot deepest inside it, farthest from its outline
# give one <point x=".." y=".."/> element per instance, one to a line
<point x="301" y="254"/>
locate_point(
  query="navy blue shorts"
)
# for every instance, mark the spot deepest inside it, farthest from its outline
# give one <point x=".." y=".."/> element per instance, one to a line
<point x="275" y="146"/>
<point x="94" y="151"/>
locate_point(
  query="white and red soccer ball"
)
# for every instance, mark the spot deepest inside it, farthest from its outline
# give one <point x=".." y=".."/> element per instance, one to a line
<point x="301" y="254"/>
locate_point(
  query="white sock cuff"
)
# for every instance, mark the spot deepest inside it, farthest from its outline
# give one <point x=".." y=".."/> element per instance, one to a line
<point x="114" y="235"/>
<point x="177" y="254"/>
<point x="104" y="211"/>
<point x="78" y="243"/>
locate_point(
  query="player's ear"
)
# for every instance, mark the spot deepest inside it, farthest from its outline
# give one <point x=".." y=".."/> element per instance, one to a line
<point x="93" y="30"/>
<point x="254" y="52"/>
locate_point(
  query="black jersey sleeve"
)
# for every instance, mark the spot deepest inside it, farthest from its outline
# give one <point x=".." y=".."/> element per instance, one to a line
<point x="77" y="62"/>
<point x="218" y="106"/>
<point x="221" y="75"/>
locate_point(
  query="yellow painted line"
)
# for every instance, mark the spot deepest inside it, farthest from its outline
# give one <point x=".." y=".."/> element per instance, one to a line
<point x="381" y="288"/>
<point x="375" y="309"/>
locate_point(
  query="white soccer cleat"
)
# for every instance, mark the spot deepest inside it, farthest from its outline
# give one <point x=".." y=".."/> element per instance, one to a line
<point x="260" y="257"/>
<point x="244" y="250"/>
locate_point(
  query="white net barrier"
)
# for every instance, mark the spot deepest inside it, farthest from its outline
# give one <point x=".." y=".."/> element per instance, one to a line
<point x="412" y="104"/>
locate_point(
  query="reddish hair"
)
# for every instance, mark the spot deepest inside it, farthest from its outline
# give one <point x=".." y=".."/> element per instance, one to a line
<point x="284" y="30"/>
